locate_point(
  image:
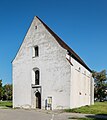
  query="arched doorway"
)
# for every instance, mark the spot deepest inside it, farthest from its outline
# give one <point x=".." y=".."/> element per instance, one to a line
<point x="38" y="100"/>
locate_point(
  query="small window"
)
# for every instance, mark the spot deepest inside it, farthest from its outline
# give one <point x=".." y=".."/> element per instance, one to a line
<point x="37" y="77"/>
<point x="35" y="51"/>
<point x="35" y="27"/>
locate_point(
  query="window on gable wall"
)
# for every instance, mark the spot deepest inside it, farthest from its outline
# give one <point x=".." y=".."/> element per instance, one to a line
<point x="35" y="51"/>
<point x="37" y="77"/>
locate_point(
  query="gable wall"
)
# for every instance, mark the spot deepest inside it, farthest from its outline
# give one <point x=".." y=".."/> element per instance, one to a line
<point x="54" y="69"/>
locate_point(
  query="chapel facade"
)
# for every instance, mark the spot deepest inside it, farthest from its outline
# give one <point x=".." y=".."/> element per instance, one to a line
<point x="48" y="74"/>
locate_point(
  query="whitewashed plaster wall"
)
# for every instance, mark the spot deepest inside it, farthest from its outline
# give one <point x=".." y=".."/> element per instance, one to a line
<point x="55" y="71"/>
<point x="82" y="85"/>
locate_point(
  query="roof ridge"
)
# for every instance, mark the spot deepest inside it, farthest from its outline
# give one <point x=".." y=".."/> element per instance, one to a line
<point x="64" y="45"/>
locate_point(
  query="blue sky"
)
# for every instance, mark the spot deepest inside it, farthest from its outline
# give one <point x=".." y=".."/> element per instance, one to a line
<point x="82" y="24"/>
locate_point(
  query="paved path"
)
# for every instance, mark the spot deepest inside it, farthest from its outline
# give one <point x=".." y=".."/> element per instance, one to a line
<point x="20" y="114"/>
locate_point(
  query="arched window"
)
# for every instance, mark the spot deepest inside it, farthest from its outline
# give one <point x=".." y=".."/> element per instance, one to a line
<point x="37" y="77"/>
<point x="36" y="50"/>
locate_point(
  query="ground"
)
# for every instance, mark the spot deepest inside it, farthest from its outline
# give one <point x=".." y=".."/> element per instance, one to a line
<point x="21" y="114"/>
<point x="93" y="112"/>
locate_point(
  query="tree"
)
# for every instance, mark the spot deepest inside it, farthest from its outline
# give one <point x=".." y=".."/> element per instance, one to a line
<point x="100" y="79"/>
<point x="7" y="92"/>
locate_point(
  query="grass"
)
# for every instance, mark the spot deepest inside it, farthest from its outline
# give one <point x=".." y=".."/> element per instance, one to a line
<point x="6" y="104"/>
<point x="97" y="108"/>
<point x="86" y="118"/>
<point x="90" y="119"/>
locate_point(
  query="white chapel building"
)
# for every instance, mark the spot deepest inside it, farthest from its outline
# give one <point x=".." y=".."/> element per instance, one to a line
<point x="48" y="74"/>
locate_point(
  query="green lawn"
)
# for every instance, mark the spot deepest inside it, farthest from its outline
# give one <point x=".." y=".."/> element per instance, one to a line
<point x="6" y="104"/>
<point x="90" y="119"/>
<point x="86" y="119"/>
<point x="97" y="108"/>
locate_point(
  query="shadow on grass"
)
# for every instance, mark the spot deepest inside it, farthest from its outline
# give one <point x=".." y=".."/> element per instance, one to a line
<point x="98" y="116"/>
<point x="6" y="104"/>
<point x="91" y="117"/>
<point x="9" y="106"/>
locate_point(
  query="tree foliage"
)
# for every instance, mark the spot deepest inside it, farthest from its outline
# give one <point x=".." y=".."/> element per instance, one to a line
<point x="5" y="91"/>
<point x="100" y="79"/>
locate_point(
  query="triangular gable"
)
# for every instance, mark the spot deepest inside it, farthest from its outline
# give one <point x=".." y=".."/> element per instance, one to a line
<point x="63" y="44"/>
